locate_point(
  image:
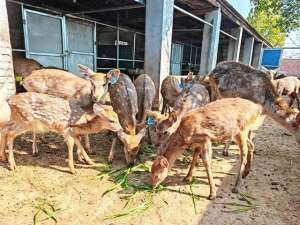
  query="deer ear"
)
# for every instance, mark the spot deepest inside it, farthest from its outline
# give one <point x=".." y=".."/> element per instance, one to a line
<point x="142" y="133"/>
<point x="122" y="135"/>
<point x="85" y="70"/>
<point x="113" y="73"/>
<point x="173" y="117"/>
<point x="190" y="75"/>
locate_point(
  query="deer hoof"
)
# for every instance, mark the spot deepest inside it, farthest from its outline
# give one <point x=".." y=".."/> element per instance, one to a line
<point x="35" y="154"/>
<point x="235" y="190"/>
<point x="225" y="154"/>
<point x="245" y="174"/>
<point x="212" y="196"/>
<point x="188" y="179"/>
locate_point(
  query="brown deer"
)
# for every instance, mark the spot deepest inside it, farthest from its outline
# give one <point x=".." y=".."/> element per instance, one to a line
<point x="145" y="89"/>
<point x="233" y="79"/>
<point x="170" y="90"/>
<point x="221" y="120"/>
<point x="68" y="86"/>
<point x="289" y="86"/>
<point x="189" y="99"/>
<point x="24" y="67"/>
<point x="123" y="98"/>
<point x="43" y="113"/>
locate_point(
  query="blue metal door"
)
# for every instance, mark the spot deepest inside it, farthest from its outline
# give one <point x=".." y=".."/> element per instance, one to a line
<point x="176" y="59"/>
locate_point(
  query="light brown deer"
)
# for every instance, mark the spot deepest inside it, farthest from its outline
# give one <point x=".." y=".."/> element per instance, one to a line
<point x="43" y="113"/>
<point x="189" y="99"/>
<point x="221" y="120"/>
<point x="68" y="86"/>
<point x="289" y="86"/>
<point x="123" y="98"/>
<point x="233" y="79"/>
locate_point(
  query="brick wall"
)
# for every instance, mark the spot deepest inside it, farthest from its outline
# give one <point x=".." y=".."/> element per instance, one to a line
<point x="7" y="80"/>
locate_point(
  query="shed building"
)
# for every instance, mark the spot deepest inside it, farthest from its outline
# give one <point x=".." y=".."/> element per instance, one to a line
<point x="161" y="37"/>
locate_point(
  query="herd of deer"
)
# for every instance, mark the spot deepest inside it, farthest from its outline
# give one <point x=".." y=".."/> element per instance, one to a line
<point x="223" y="106"/>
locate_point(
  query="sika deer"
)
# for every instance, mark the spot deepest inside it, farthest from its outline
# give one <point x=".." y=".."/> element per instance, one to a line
<point x="190" y="98"/>
<point x="68" y="86"/>
<point x="221" y="120"/>
<point x="233" y="79"/>
<point x="289" y="86"/>
<point x="43" y="113"/>
<point x="24" y="67"/>
<point x="123" y="98"/>
<point x="145" y="89"/>
<point x="170" y="90"/>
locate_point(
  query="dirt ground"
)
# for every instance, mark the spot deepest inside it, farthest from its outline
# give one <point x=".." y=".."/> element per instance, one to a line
<point x="274" y="183"/>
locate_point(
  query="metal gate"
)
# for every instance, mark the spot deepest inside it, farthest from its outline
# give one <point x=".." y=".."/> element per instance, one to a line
<point x="81" y="44"/>
<point x="44" y="41"/>
<point x="176" y="59"/>
<point x="59" y="41"/>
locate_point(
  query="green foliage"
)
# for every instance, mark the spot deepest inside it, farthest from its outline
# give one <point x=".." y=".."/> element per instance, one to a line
<point x="274" y="19"/>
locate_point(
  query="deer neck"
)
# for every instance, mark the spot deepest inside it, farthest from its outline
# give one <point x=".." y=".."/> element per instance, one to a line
<point x="174" y="149"/>
<point x="280" y="112"/>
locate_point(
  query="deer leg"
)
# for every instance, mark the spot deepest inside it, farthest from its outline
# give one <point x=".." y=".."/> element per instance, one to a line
<point x="243" y="145"/>
<point x="3" y="142"/>
<point x="11" y="158"/>
<point x="112" y="149"/>
<point x="206" y="155"/>
<point x="163" y="107"/>
<point x="226" y="148"/>
<point x="249" y="156"/>
<point x="149" y="136"/>
<point x="298" y="102"/>
<point x="80" y="157"/>
<point x="70" y="143"/>
<point x="82" y="152"/>
<point x="35" y="150"/>
<point x="189" y="176"/>
<point x="292" y="99"/>
<point x="87" y="144"/>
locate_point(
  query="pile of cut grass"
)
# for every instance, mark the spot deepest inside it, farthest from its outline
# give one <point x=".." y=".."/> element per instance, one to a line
<point x="238" y="207"/>
<point x="139" y="193"/>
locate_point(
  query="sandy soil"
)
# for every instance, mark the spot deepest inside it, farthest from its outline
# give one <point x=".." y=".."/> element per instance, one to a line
<point x="274" y="183"/>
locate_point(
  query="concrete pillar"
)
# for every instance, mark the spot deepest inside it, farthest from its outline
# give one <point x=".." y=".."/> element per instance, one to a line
<point x="158" y="41"/>
<point x="248" y="50"/>
<point x="210" y="41"/>
<point x="234" y="46"/>
<point x="7" y="79"/>
<point x="258" y="47"/>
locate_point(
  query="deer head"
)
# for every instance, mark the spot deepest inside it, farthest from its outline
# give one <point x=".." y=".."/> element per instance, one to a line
<point x="98" y="81"/>
<point x="159" y="170"/>
<point x="131" y="144"/>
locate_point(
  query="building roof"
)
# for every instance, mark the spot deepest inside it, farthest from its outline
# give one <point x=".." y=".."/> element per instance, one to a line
<point x="199" y="8"/>
<point x="290" y="67"/>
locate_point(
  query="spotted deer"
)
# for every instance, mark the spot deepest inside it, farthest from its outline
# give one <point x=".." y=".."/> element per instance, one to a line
<point x="189" y="99"/>
<point x="222" y="120"/>
<point x="68" y="86"/>
<point x="40" y="113"/>
<point x="123" y="99"/>
<point x="290" y="87"/>
<point x="234" y="79"/>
